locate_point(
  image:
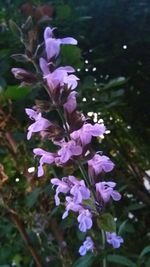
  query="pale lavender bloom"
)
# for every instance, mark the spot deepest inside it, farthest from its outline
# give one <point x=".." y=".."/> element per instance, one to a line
<point x="75" y="187"/>
<point x="40" y="124"/>
<point x="68" y="149"/>
<point x="46" y="157"/>
<point x="59" y="77"/>
<point x="33" y="115"/>
<point x="88" y="130"/>
<point x="71" y="103"/>
<point x="71" y="205"/>
<point x="100" y="163"/>
<point x="62" y="187"/>
<point x="71" y="81"/>
<point x="52" y="45"/>
<point x="79" y="191"/>
<point x="114" y="240"/>
<point x="44" y="66"/>
<point x="88" y="244"/>
<point x="105" y="191"/>
<point x="85" y="220"/>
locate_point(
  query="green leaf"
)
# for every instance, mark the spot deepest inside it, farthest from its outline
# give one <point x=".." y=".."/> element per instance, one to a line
<point x="136" y="206"/>
<point x="84" y="261"/>
<point x="120" y="260"/>
<point x="14" y="92"/>
<point x="122" y="227"/>
<point x="107" y="223"/>
<point x="144" y="251"/>
<point x="126" y="227"/>
<point x="115" y="82"/>
<point x="32" y="198"/>
<point x="17" y="259"/>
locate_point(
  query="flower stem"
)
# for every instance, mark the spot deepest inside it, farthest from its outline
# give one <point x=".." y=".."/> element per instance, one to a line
<point x="104" y="264"/>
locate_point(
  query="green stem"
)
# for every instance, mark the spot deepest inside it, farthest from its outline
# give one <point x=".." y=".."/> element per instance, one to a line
<point x="103" y="246"/>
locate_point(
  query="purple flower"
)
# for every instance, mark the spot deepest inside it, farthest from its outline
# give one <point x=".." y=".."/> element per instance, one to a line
<point x="71" y="81"/>
<point x="85" y="220"/>
<point x="88" y="130"/>
<point x="46" y="157"/>
<point x="59" y="77"/>
<point x="88" y="244"/>
<point x="68" y="149"/>
<point x="105" y="191"/>
<point x="71" y="205"/>
<point x="52" y="45"/>
<point x="100" y="163"/>
<point x="40" y="124"/>
<point x="71" y="103"/>
<point x="62" y="187"/>
<point x="75" y="187"/>
<point x="79" y="190"/>
<point x="114" y="240"/>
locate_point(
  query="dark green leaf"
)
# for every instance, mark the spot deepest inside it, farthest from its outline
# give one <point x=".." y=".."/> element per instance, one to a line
<point x="136" y="206"/>
<point x="85" y="261"/>
<point x="115" y="82"/>
<point x="32" y="198"/>
<point x="120" y="260"/>
<point x="145" y="251"/>
<point x="14" y="92"/>
<point x="107" y="223"/>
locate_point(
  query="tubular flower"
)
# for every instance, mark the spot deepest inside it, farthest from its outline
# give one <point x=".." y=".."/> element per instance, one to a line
<point x="88" y="130"/>
<point x="88" y="245"/>
<point x="114" y="240"/>
<point x="68" y="149"/>
<point x="46" y="157"/>
<point x="62" y="187"/>
<point x="40" y="124"/>
<point x="52" y="45"/>
<point x="58" y="77"/>
<point x="71" y="103"/>
<point x="105" y="191"/>
<point x="100" y="163"/>
<point x="85" y="220"/>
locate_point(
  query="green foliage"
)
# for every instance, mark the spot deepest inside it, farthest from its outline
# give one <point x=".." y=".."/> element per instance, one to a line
<point x="120" y="260"/>
<point x="84" y="261"/>
<point x="106" y="222"/>
<point x="14" y="92"/>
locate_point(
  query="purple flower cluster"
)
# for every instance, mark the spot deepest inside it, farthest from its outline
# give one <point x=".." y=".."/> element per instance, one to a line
<point x="73" y="145"/>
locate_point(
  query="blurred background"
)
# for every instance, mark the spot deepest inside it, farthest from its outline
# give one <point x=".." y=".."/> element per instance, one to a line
<point x="112" y="60"/>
